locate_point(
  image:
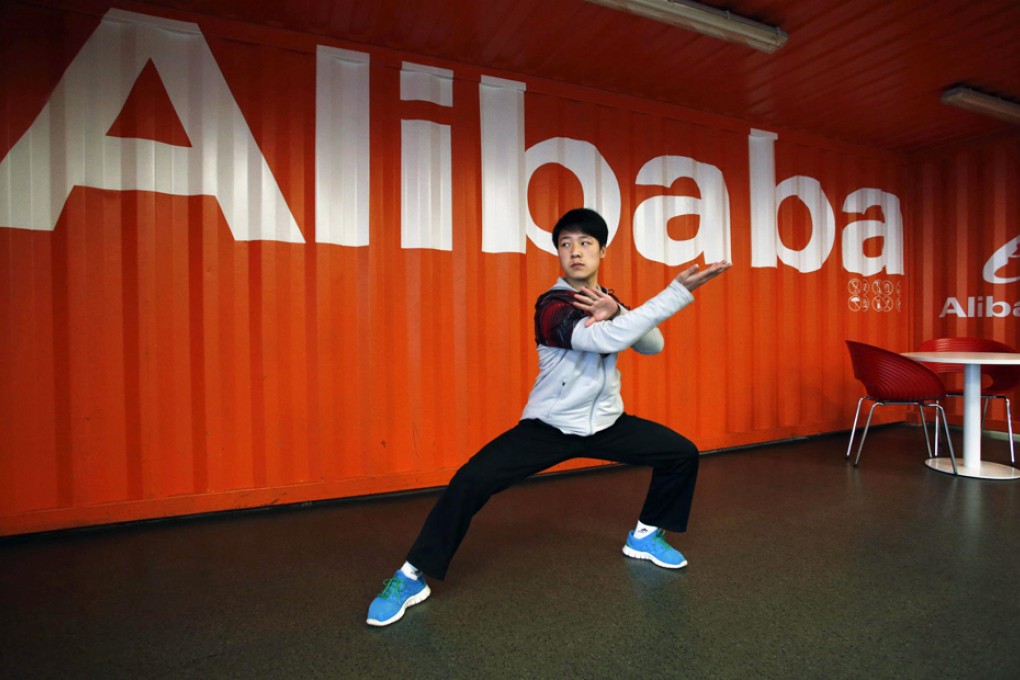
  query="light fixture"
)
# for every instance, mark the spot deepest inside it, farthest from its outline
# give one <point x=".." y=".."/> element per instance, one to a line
<point x="706" y="20"/>
<point x="979" y="102"/>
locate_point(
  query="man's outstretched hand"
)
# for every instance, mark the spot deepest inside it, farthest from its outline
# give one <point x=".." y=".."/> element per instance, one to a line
<point x="694" y="276"/>
<point x="600" y="306"/>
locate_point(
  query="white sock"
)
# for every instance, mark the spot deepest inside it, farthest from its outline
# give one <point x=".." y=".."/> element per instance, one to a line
<point x="642" y="529"/>
<point x="410" y="571"/>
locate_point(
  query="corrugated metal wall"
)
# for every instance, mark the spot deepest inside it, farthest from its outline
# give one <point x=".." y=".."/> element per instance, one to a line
<point x="967" y="258"/>
<point x="179" y="336"/>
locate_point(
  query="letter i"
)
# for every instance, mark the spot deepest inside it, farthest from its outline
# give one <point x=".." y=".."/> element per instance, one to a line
<point x="426" y="176"/>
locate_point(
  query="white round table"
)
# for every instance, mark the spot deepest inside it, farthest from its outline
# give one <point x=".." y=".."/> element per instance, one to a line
<point x="971" y="465"/>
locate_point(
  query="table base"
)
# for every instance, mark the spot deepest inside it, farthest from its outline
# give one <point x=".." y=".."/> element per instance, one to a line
<point x="984" y="470"/>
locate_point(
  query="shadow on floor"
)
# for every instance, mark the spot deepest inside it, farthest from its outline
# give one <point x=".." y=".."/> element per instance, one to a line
<point x="801" y="566"/>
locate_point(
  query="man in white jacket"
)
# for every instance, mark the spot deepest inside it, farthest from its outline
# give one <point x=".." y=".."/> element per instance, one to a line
<point x="574" y="410"/>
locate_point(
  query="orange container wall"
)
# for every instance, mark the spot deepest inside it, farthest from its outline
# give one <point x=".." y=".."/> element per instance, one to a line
<point x="153" y="363"/>
<point x="968" y="257"/>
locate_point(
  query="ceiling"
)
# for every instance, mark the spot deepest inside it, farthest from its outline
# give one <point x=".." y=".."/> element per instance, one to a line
<point x="867" y="72"/>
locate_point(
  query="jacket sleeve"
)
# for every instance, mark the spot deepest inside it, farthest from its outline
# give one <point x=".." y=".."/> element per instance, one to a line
<point x="635" y="328"/>
<point x="651" y="342"/>
<point x="555" y="318"/>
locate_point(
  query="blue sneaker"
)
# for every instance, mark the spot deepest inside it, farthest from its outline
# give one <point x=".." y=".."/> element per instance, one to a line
<point x="400" y="593"/>
<point x="654" y="547"/>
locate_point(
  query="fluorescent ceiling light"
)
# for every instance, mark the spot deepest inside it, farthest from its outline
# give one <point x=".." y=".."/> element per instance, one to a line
<point x="979" y="102"/>
<point x="706" y="20"/>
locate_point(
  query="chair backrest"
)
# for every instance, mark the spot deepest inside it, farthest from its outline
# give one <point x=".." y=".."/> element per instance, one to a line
<point x="887" y="376"/>
<point x="1003" y="378"/>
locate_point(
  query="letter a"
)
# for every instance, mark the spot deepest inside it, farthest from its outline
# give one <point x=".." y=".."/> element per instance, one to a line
<point x="953" y="307"/>
<point x="67" y="144"/>
<point x="857" y="232"/>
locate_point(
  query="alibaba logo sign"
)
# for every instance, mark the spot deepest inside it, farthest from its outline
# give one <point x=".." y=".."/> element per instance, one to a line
<point x="1000" y="260"/>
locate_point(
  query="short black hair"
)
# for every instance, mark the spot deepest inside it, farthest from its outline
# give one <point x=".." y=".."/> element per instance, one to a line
<point x="584" y="220"/>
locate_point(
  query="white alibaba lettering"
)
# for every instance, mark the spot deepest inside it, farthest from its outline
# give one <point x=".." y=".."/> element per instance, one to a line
<point x="225" y="162"/>
<point x="980" y="306"/>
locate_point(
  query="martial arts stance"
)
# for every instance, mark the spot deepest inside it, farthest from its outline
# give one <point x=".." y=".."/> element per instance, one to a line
<point x="574" y="410"/>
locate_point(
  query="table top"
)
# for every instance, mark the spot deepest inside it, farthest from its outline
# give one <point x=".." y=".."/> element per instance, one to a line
<point x="985" y="358"/>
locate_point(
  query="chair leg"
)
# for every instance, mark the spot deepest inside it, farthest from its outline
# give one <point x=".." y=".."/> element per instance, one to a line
<point x="949" y="441"/>
<point x="1009" y="424"/>
<point x="853" y="430"/>
<point x="924" y="428"/>
<point x="865" y="433"/>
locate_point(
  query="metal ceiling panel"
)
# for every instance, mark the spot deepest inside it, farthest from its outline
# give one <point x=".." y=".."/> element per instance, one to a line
<point x="866" y="72"/>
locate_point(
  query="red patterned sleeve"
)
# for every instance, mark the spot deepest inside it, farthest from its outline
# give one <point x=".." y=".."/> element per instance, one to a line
<point x="556" y="316"/>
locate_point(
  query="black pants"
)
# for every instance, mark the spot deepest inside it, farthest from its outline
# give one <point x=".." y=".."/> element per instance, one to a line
<point x="532" y="446"/>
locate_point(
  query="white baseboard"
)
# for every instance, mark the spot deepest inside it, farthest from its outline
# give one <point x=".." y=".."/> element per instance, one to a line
<point x="991" y="434"/>
<point x="1004" y="436"/>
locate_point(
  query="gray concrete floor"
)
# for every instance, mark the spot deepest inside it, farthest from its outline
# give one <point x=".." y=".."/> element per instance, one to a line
<point x="800" y="567"/>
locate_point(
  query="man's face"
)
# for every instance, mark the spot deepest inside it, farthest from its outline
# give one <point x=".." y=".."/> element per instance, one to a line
<point x="580" y="255"/>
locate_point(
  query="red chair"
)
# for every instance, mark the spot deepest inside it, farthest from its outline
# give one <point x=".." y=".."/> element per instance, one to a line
<point x="1005" y="379"/>
<point x="891" y="379"/>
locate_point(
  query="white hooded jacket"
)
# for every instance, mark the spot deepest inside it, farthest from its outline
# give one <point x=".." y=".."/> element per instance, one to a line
<point x="578" y="390"/>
